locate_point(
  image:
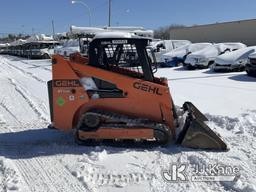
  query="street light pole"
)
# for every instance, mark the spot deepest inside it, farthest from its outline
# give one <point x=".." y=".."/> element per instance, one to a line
<point x="88" y="8"/>
<point x="109" y="13"/>
<point x="53" y="28"/>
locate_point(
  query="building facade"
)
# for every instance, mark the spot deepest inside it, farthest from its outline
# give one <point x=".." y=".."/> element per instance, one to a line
<point x="237" y="31"/>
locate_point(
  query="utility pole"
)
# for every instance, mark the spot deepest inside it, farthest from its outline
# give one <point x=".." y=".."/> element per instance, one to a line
<point x="109" y="13"/>
<point x="23" y="33"/>
<point x="53" y="28"/>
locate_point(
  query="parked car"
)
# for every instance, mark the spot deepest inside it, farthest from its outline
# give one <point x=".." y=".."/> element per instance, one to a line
<point x="35" y="47"/>
<point x="206" y="56"/>
<point x="177" y="56"/>
<point x="174" y="57"/>
<point x="233" y="61"/>
<point x="3" y="48"/>
<point x="202" y="58"/>
<point x="69" y="47"/>
<point x="41" y="49"/>
<point x="164" y="46"/>
<point x="251" y="65"/>
<point x="84" y="45"/>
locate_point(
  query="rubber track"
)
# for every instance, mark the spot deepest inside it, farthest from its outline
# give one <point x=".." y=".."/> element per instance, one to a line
<point x="129" y="123"/>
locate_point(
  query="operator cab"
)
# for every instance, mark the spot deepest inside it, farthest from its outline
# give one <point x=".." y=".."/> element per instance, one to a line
<point x="123" y="53"/>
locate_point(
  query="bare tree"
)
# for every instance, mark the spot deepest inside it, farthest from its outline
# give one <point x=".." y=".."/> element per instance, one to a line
<point x="164" y="32"/>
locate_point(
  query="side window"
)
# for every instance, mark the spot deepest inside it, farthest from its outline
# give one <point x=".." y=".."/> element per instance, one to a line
<point x="160" y="46"/>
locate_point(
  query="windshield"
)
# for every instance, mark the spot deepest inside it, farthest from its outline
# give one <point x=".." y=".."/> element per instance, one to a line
<point x="122" y="55"/>
<point x="126" y="55"/>
<point x="198" y="46"/>
<point x="71" y="43"/>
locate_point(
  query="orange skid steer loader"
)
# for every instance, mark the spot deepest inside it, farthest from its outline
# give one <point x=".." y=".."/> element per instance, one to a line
<point x="113" y="96"/>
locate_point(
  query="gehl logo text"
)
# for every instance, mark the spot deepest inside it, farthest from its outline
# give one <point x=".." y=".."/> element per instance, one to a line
<point x="66" y="83"/>
<point x="147" y="88"/>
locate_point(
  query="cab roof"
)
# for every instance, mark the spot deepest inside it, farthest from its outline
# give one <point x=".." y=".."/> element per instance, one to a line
<point x="118" y="35"/>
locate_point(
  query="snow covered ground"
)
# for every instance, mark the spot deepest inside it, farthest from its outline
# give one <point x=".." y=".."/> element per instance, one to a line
<point x="34" y="158"/>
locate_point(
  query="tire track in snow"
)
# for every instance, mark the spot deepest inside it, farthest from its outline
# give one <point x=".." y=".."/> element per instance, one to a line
<point x="38" y="173"/>
<point x="93" y="175"/>
<point x="41" y="67"/>
<point x="31" y="75"/>
<point x="9" y="178"/>
<point x="23" y="93"/>
<point x="28" y="99"/>
<point x="3" y="105"/>
<point x="47" y="174"/>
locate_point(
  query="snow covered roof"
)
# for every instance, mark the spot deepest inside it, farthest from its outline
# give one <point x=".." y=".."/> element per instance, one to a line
<point x="207" y="51"/>
<point x="198" y="46"/>
<point x="50" y="42"/>
<point x="124" y="28"/>
<point x="40" y="37"/>
<point x="116" y="34"/>
<point x="34" y="39"/>
<point x="140" y="31"/>
<point x="85" y="30"/>
<point x="18" y="42"/>
<point x="229" y="45"/>
<point x="4" y="45"/>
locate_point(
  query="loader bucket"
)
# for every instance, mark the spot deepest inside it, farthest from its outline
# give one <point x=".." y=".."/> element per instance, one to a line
<point x="196" y="133"/>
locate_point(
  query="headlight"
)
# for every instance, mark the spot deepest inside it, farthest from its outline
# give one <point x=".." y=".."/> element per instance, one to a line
<point x="242" y="62"/>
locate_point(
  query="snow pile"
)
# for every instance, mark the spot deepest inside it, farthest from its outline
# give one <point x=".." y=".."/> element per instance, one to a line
<point x="245" y="124"/>
<point x="240" y="133"/>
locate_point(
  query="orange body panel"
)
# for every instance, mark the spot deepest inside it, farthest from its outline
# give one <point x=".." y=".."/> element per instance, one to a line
<point x="124" y="133"/>
<point x="70" y="99"/>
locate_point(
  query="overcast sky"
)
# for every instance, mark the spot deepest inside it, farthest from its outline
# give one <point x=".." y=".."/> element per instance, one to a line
<point x="25" y="16"/>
